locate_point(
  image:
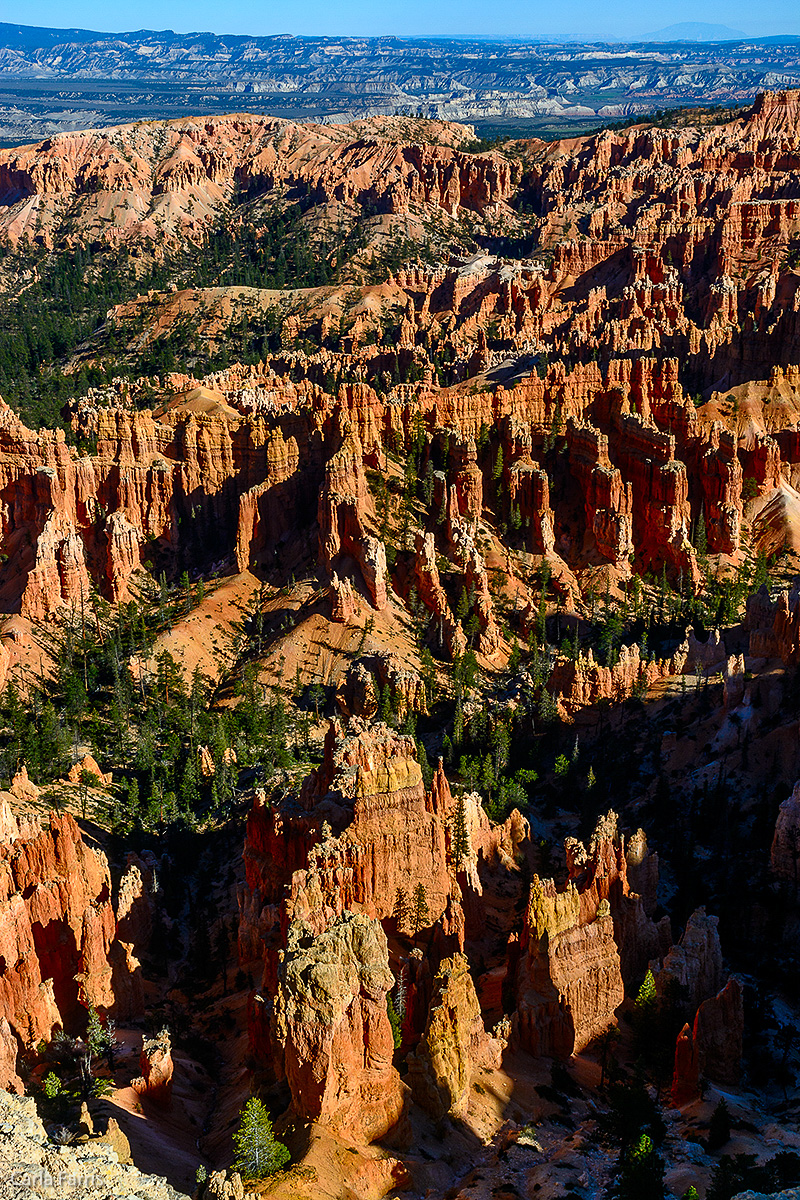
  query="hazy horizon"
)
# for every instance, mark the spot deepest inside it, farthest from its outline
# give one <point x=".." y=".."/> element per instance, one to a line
<point x="575" y="20"/>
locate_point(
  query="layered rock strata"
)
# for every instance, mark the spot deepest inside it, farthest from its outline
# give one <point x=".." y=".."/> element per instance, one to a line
<point x="626" y="322"/>
<point x="361" y="830"/>
<point x="452" y="1045"/>
<point x="711" y="1048"/>
<point x="332" y="1027"/>
<point x="693" y="968"/>
<point x="202" y="160"/>
<point x="58" y="936"/>
<point x="581" y="943"/>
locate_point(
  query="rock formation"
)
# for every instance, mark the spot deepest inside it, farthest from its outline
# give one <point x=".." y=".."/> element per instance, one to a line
<point x="350" y="81"/>
<point x="344" y="501"/>
<point x="452" y="1045"/>
<point x="89" y="764"/>
<point x="785" y="852"/>
<point x="192" y="159"/>
<point x="571" y="981"/>
<point x="717" y="1034"/>
<point x="774" y="626"/>
<point x="618" y="404"/>
<point x="361" y="829"/>
<point x="232" y="465"/>
<point x="693" y="967"/>
<point x="433" y="596"/>
<point x="32" y="1162"/>
<point x="712" y="1047"/>
<point x="332" y="1028"/>
<point x="324" y="866"/>
<point x="581" y="682"/>
<point x="155" y="1082"/>
<point x="357" y="695"/>
<point x="608" y="500"/>
<point x="135" y="904"/>
<point x="393" y="836"/>
<point x="359" y="691"/>
<point x="58" y="938"/>
<point x="580" y="943"/>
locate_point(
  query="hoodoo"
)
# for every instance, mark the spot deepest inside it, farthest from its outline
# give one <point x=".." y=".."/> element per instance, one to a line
<point x="399" y="648"/>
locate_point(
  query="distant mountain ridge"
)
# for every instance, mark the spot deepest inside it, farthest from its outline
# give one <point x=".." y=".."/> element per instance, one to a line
<point x="695" y="31"/>
<point x="61" y="79"/>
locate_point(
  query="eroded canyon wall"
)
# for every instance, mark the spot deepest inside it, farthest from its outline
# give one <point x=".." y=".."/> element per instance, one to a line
<point x="58" y="932"/>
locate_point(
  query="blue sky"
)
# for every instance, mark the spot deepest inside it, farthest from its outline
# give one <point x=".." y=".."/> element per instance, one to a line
<point x="572" y="18"/>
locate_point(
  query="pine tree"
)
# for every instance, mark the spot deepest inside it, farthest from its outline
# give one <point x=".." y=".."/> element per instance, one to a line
<point x="96" y="1037"/>
<point x="400" y="994"/>
<point x="646" y="1018"/>
<point x="458" y="722"/>
<point x="547" y="708"/>
<point x="402" y="910"/>
<point x="186" y="588"/>
<point x="87" y="781"/>
<point x="719" y="1129"/>
<point x="460" y="841"/>
<point x="126" y="815"/>
<point x="641" y="1172"/>
<point x="427" y="484"/>
<point x="487" y="775"/>
<point x="56" y="1099"/>
<point x="425" y="766"/>
<point x="258" y="1152"/>
<point x="701" y="538"/>
<point x="501" y="745"/>
<point x="647" y="996"/>
<point x="101" y="1039"/>
<point x="395" y="1022"/>
<point x="462" y="608"/>
<point x="422" y="913"/>
<point x="190" y="788"/>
